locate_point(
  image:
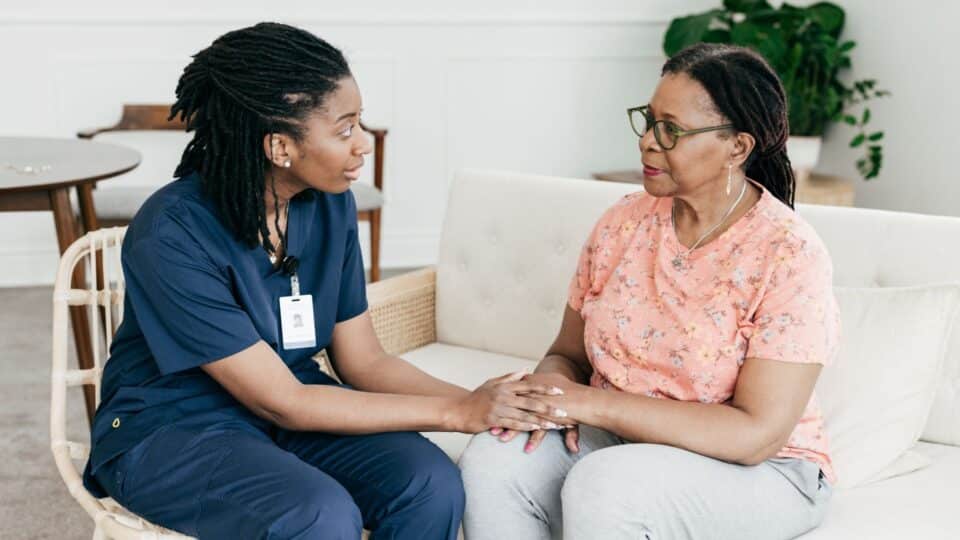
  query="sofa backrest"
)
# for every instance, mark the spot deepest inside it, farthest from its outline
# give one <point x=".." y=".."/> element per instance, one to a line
<point x="511" y="241"/>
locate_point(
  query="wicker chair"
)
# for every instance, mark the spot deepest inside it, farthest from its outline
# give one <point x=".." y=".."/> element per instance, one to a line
<point x="402" y="309"/>
<point x="99" y="253"/>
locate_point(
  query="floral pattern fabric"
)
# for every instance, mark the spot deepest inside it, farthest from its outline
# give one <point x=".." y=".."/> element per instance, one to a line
<point x="762" y="289"/>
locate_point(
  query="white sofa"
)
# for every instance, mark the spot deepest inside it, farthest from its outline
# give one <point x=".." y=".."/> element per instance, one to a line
<point x="493" y="304"/>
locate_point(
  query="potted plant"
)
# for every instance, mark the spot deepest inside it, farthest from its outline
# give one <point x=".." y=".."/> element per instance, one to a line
<point x="803" y="45"/>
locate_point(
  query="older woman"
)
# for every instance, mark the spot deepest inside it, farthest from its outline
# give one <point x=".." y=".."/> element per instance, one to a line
<point x="699" y="319"/>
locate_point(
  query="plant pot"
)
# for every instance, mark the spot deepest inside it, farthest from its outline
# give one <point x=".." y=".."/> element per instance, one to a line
<point x="803" y="153"/>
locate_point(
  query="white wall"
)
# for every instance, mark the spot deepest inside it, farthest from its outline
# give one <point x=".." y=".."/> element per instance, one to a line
<point x="910" y="48"/>
<point x="522" y="85"/>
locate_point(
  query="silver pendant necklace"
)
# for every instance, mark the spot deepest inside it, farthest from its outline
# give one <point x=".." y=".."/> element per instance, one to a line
<point x="682" y="255"/>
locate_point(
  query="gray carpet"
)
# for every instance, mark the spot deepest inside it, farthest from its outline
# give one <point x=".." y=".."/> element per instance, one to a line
<point x="34" y="502"/>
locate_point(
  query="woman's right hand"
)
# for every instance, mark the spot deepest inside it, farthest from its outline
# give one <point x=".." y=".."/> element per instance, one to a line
<point x="571" y="438"/>
<point x="507" y="402"/>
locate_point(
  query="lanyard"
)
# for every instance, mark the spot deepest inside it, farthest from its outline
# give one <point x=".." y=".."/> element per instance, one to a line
<point x="294" y="284"/>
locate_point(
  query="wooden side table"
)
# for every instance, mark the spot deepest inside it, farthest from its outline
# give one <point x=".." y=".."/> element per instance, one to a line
<point x="36" y="174"/>
<point x="818" y="189"/>
<point x="825" y="189"/>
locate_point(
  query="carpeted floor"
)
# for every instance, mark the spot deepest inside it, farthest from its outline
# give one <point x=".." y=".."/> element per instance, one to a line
<point x="34" y="502"/>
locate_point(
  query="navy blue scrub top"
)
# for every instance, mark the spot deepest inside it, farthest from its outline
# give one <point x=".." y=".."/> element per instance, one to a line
<point x="196" y="294"/>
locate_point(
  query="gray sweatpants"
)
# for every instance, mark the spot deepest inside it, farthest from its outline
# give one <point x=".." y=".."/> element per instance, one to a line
<point x="613" y="490"/>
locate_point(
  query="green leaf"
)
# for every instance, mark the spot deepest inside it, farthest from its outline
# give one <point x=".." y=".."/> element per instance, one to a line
<point x="858" y="140"/>
<point x="850" y="119"/>
<point x="847" y="46"/>
<point x="766" y="40"/>
<point x="685" y="31"/>
<point x="830" y="16"/>
<point x="745" y="6"/>
<point x="767" y="16"/>
<point x="716" y="36"/>
<point x="875" y="136"/>
<point x="866" y="116"/>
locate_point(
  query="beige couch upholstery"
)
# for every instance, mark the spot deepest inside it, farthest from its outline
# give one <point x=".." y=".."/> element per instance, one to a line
<point x="493" y="305"/>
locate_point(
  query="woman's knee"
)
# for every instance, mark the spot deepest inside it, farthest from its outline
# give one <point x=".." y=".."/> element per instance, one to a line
<point x="317" y="512"/>
<point x="599" y="486"/>
<point x="437" y="486"/>
<point x="488" y="463"/>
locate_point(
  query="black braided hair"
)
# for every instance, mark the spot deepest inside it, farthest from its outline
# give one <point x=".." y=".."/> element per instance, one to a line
<point x="263" y="79"/>
<point x="746" y="90"/>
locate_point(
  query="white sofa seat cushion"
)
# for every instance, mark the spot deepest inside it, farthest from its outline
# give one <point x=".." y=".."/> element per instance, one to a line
<point x="922" y="504"/>
<point x="467" y="367"/>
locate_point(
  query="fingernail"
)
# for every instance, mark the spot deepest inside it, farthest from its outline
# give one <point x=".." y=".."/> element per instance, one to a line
<point x="528" y="448"/>
<point x="556" y="391"/>
<point x="550" y="425"/>
<point x="560" y="413"/>
<point x="496" y="430"/>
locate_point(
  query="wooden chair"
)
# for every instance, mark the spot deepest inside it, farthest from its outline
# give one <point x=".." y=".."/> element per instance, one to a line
<point x="117" y="206"/>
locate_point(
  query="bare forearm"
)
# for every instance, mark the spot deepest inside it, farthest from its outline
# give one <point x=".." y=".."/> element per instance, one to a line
<point x="393" y="375"/>
<point x="717" y="430"/>
<point x="333" y="409"/>
<point x="555" y="363"/>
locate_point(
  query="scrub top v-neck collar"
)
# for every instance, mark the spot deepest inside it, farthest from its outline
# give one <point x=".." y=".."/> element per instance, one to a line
<point x="294" y="241"/>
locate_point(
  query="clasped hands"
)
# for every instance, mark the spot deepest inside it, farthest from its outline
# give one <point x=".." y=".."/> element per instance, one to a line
<point x="526" y="402"/>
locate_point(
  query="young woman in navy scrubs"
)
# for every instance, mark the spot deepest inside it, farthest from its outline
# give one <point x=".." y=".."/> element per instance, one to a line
<point x="215" y="421"/>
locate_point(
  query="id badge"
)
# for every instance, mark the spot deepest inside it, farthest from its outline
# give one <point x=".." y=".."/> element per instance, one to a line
<point x="296" y="322"/>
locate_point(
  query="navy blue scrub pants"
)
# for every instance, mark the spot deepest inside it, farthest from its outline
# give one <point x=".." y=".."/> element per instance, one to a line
<point x="234" y="479"/>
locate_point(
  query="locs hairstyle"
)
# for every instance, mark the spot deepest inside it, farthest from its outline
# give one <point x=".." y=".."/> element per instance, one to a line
<point x="746" y="90"/>
<point x="248" y="83"/>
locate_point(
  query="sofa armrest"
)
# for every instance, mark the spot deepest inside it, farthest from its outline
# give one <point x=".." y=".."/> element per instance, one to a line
<point x="403" y="310"/>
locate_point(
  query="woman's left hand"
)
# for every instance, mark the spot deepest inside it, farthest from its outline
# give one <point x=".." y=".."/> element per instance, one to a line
<point x="575" y="401"/>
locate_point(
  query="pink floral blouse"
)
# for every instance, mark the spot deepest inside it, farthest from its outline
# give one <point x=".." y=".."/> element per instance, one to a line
<point x="763" y="289"/>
